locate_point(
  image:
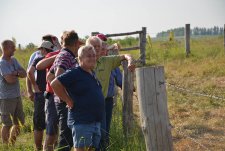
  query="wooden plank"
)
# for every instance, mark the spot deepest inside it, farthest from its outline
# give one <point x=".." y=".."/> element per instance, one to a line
<point x="146" y="106"/>
<point x="123" y="34"/>
<point x="153" y="108"/>
<point x="156" y="112"/>
<point x="163" y="110"/>
<point x="94" y="33"/>
<point x="130" y="48"/>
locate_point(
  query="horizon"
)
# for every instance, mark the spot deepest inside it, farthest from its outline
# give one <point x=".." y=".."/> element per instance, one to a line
<point x="28" y="20"/>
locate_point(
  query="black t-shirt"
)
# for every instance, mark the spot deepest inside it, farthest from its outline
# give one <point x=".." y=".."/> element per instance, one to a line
<point x="40" y="78"/>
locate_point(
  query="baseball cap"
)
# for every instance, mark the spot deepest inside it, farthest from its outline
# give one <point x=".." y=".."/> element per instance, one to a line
<point x="47" y="45"/>
<point x="102" y="37"/>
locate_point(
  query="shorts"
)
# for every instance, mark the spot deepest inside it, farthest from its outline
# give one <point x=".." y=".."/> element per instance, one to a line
<point x="51" y="117"/>
<point x="39" y="111"/>
<point x="11" y="111"/>
<point x="86" y="135"/>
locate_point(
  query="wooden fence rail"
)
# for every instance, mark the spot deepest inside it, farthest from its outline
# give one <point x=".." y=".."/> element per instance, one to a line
<point x="142" y="42"/>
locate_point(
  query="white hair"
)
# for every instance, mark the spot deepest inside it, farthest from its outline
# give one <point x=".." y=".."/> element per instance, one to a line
<point x="93" y="38"/>
<point x="83" y="50"/>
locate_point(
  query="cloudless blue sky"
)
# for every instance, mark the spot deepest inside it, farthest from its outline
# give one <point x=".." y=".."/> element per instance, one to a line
<point x="28" y="20"/>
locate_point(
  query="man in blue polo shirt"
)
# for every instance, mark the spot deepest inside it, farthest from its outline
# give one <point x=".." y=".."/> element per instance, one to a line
<point x="81" y="91"/>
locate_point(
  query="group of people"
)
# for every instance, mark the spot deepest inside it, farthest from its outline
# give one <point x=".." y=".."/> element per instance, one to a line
<point x="72" y="86"/>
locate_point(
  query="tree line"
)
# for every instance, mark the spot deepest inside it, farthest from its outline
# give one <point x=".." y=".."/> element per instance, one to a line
<point x="196" y="31"/>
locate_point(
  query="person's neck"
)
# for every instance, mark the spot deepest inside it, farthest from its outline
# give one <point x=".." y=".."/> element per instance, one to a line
<point x="86" y="69"/>
<point x="73" y="50"/>
<point x="7" y="58"/>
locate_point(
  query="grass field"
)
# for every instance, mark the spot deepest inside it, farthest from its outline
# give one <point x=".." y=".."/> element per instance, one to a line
<point x="198" y="121"/>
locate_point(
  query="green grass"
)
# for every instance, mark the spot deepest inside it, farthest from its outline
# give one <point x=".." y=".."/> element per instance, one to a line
<point x="134" y="141"/>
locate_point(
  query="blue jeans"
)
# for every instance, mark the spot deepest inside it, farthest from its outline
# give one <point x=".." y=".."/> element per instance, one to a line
<point x="105" y="124"/>
<point x="86" y="135"/>
<point x="65" y="133"/>
<point x="51" y="115"/>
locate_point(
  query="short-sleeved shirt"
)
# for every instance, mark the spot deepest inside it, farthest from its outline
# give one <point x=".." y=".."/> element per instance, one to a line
<point x="9" y="90"/>
<point x="41" y="75"/>
<point x="85" y="91"/>
<point x="48" y="86"/>
<point x="115" y="76"/>
<point x="103" y="70"/>
<point x="65" y="60"/>
<point x="33" y="56"/>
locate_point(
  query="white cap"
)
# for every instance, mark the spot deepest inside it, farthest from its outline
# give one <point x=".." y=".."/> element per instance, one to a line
<point x="47" y="45"/>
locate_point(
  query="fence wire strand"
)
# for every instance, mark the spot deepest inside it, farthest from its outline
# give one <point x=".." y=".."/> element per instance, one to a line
<point x="182" y="89"/>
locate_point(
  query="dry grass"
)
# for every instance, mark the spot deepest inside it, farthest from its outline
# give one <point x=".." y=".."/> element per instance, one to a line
<point x="198" y="121"/>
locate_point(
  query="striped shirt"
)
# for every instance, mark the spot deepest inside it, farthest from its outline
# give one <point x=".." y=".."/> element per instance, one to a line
<point x="65" y="60"/>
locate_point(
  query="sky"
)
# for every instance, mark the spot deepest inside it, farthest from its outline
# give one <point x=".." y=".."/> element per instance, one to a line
<point x="28" y="20"/>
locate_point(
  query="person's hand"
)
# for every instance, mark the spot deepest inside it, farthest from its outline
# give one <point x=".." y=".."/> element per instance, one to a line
<point x="36" y="89"/>
<point x="117" y="46"/>
<point x="131" y="66"/>
<point x="30" y="95"/>
<point x="69" y="104"/>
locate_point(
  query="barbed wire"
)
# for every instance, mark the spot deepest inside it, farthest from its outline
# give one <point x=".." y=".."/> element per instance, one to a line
<point x="194" y="93"/>
<point x="192" y="139"/>
<point x="182" y="89"/>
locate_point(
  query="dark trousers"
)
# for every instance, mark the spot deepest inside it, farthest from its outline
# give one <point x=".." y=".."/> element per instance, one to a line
<point x="65" y="133"/>
<point x="105" y="124"/>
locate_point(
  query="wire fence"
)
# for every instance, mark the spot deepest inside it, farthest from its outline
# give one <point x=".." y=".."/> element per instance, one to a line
<point x="198" y="140"/>
<point x="180" y="129"/>
<point x="186" y="90"/>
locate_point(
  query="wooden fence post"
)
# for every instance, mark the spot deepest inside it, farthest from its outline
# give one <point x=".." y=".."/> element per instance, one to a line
<point x="152" y="98"/>
<point x="19" y="47"/>
<point x="142" y="37"/>
<point x="187" y="39"/>
<point x="224" y="36"/>
<point x="127" y="99"/>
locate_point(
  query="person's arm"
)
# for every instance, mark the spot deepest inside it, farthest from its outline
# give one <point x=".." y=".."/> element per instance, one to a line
<point x="21" y="73"/>
<point x="31" y="76"/>
<point x="60" y="91"/>
<point x="30" y="92"/>
<point x="50" y="77"/>
<point x="118" y="77"/>
<point x="46" y="62"/>
<point x="59" y="71"/>
<point x="11" y="78"/>
<point x="129" y="58"/>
